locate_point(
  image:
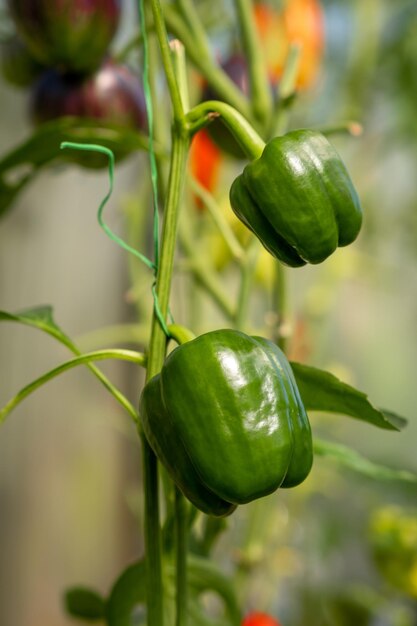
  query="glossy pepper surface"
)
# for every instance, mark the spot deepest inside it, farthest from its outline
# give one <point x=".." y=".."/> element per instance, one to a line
<point x="226" y="419"/>
<point x="298" y="199"/>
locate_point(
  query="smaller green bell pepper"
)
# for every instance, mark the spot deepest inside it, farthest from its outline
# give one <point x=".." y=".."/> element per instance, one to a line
<point x="298" y="199"/>
<point x="226" y="419"/>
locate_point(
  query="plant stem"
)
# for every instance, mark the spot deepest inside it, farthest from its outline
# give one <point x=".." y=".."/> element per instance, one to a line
<point x="286" y="88"/>
<point x="247" y="270"/>
<point x="204" y="274"/>
<point x="155" y="361"/>
<point x="215" y="76"/>
<point x="161" y="122"/>
<point x="258" y="77"/>
<point x="191" y="17"/>
<point x="113" y="335"/>
<point x="181" y="536"/>
<point x="180" y="334"/>
<point x="161" y="32"/>
<point x="280" y="300"/>
<point x="180" y="69"/>
<point x="180" y="507"/>
<point x="98" y="355"/>
<point x="247" y="137"/>
<point x="218" y="218"/>
<point x="352" y="128"/>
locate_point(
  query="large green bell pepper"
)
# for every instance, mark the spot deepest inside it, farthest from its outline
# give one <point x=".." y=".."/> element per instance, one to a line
<point x="298" y="199"/>
<point x="226" y="419"/>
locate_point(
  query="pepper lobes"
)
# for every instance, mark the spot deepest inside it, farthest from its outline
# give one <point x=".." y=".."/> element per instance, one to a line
<point x="298" y="199"/>
<point x="225" y="418"/>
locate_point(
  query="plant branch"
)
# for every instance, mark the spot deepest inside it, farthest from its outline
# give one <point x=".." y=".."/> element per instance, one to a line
<point x="203" y="61"/>
<point x="247" y="271"/>
<point x="99" y="355"/>
<point x="204" y="274"/>
<point x="258" y="78"/>
<point x="218" y="218"/>
<point x="195" y="25"/>
<point x="161" y="33"/>
<point x="181" y="536"/>
<point x="286" y="89"/>
<point x="247" y="137"/>
<point x="156" y="357"/>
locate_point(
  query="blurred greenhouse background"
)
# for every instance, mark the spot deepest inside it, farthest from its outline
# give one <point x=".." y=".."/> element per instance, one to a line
<point x="69" y="461"/>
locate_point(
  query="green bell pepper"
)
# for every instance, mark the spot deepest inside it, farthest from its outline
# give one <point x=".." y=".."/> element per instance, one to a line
<point x="298" y="199"/>
<point x="226" y="419"/>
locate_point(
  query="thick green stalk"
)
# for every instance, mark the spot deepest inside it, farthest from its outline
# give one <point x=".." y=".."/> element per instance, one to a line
<point x="181" y="548"/>
<point x="156" y="357"/>
<point x="157" y="348"/>
<point x="161" y="32"/>
<point x="181" y="528"/>
<point x="154" y="587"/>
<point x="161" y="121"/>
<point x="261" y="97"/>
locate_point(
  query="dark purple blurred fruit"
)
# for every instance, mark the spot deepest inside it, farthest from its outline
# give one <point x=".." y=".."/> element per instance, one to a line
<point x="236" y="68"/>
<point x="72" y="35"/>
<point x="17" y="65"/>
<point x="113" y="94"/>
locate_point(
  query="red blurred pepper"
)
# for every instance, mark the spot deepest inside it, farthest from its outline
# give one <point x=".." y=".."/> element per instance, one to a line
<point x="259" y="619"/>
<point x="205" y="161"/>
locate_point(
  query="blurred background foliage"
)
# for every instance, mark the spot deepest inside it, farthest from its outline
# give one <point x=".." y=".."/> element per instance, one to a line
<point x="341" y="549"/>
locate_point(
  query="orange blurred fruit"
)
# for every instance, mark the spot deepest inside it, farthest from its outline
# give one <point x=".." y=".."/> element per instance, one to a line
<point x="300" y="21"/>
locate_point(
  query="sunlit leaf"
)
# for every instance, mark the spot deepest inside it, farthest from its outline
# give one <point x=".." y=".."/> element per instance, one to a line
<point x="349" y="458"/>
<point x="322" y="391"/>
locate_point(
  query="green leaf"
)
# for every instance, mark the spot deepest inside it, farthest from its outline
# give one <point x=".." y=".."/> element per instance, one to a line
<point x="128" y="591"/>
<point x="41" y="317"/>
<point x="128" y="595"/>
<point x="19" y="166"/>
<point x="83" y="603"/>
<point x="98" y="355"/>
<point x="346" y="457"/>
<point x="322" y="391"/>
<point x="203" y="575"/>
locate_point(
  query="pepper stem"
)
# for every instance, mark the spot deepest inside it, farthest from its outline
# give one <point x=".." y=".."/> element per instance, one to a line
<point x="246" y="136"/>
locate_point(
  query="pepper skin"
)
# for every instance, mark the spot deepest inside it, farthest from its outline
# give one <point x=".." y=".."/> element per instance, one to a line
<point x="298" y="199"/>
<point x="226" y="419"/>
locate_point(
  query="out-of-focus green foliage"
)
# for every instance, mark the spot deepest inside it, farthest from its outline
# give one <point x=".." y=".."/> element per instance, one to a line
<point x="393" y="537"/>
